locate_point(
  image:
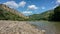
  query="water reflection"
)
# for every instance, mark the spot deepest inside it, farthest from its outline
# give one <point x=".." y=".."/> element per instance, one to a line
<point x="50" y="27"/>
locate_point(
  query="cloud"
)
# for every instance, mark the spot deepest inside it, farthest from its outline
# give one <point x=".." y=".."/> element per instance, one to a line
<point x="55" y="6"/>
<point x="11" y="4"/>
<point x="27" y="12"/>
<point x="22" y="3"/>
<point x="43" y="7"/>
<point x="58" y="2"/>
<point x="33" y="7"/>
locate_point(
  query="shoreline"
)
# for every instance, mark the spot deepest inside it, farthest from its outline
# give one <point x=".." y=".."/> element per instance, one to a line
<point x="14" y="27"/>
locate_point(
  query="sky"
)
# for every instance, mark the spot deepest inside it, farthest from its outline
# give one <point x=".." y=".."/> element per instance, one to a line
<point x="29" y="7"/>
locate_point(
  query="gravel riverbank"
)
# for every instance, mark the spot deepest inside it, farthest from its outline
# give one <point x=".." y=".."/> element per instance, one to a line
<point x="18" y="27"/>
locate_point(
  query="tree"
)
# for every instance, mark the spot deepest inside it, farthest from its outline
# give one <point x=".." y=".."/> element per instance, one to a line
<point x="56" y="15"/>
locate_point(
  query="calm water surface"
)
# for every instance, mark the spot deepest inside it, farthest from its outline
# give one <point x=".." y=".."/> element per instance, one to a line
<point x="49" y="27"/>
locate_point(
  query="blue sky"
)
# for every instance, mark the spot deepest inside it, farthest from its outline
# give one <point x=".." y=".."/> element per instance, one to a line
<point x="28" y="7"/>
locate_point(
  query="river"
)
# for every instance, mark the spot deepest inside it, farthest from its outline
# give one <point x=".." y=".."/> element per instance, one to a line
<point x="49" y="27"/>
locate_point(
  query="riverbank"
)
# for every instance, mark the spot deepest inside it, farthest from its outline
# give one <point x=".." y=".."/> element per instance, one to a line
<point x="49" y="27"/>
<point x="57" y="26"/>
<point x="18" y="27"/>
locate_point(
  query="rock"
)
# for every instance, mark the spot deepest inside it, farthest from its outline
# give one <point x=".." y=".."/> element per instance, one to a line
<point x="18" y="27"/>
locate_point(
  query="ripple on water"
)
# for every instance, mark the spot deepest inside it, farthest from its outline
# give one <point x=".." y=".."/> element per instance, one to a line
<point x="49" y="27"/>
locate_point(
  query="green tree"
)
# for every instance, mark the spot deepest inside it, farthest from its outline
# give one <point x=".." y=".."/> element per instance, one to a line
<point x="56" y="15"/>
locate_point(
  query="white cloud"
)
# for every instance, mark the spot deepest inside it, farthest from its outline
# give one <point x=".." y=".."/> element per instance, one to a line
<point x="11" y="4"/>
<point x="32" y="7"/>
<point x="22" y="3"/>
<point x="58" y="1"/>
<point x="27" y="12"/>
<point x="55" y="6"/>
<point x="43" y="7"/>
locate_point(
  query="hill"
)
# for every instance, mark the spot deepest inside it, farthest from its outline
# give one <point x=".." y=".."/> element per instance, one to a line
<point x="7" y="13"/>
<point x="43" y="16"/>
<point x="50" y="15"/>
<point x="56" y="15"/>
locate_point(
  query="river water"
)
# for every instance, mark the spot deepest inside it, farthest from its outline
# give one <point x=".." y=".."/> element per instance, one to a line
<point x="49" y="27"/>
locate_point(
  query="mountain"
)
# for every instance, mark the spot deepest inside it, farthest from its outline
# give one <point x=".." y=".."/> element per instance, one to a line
<point x="7" y="13"/>
<point x="56" y="15"/>
<point x="43" y="16"/>
<point x="50" y="15"/>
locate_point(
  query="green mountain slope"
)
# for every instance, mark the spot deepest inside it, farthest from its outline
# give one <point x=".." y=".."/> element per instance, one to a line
<point x="50" y="15"/>
<point x="7" y="13"/>
<point x="56" y="15"/>
<point x="42" y="16"/>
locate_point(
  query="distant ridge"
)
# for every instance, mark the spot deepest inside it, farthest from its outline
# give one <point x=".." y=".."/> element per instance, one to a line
<point x="43" y="16"/>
